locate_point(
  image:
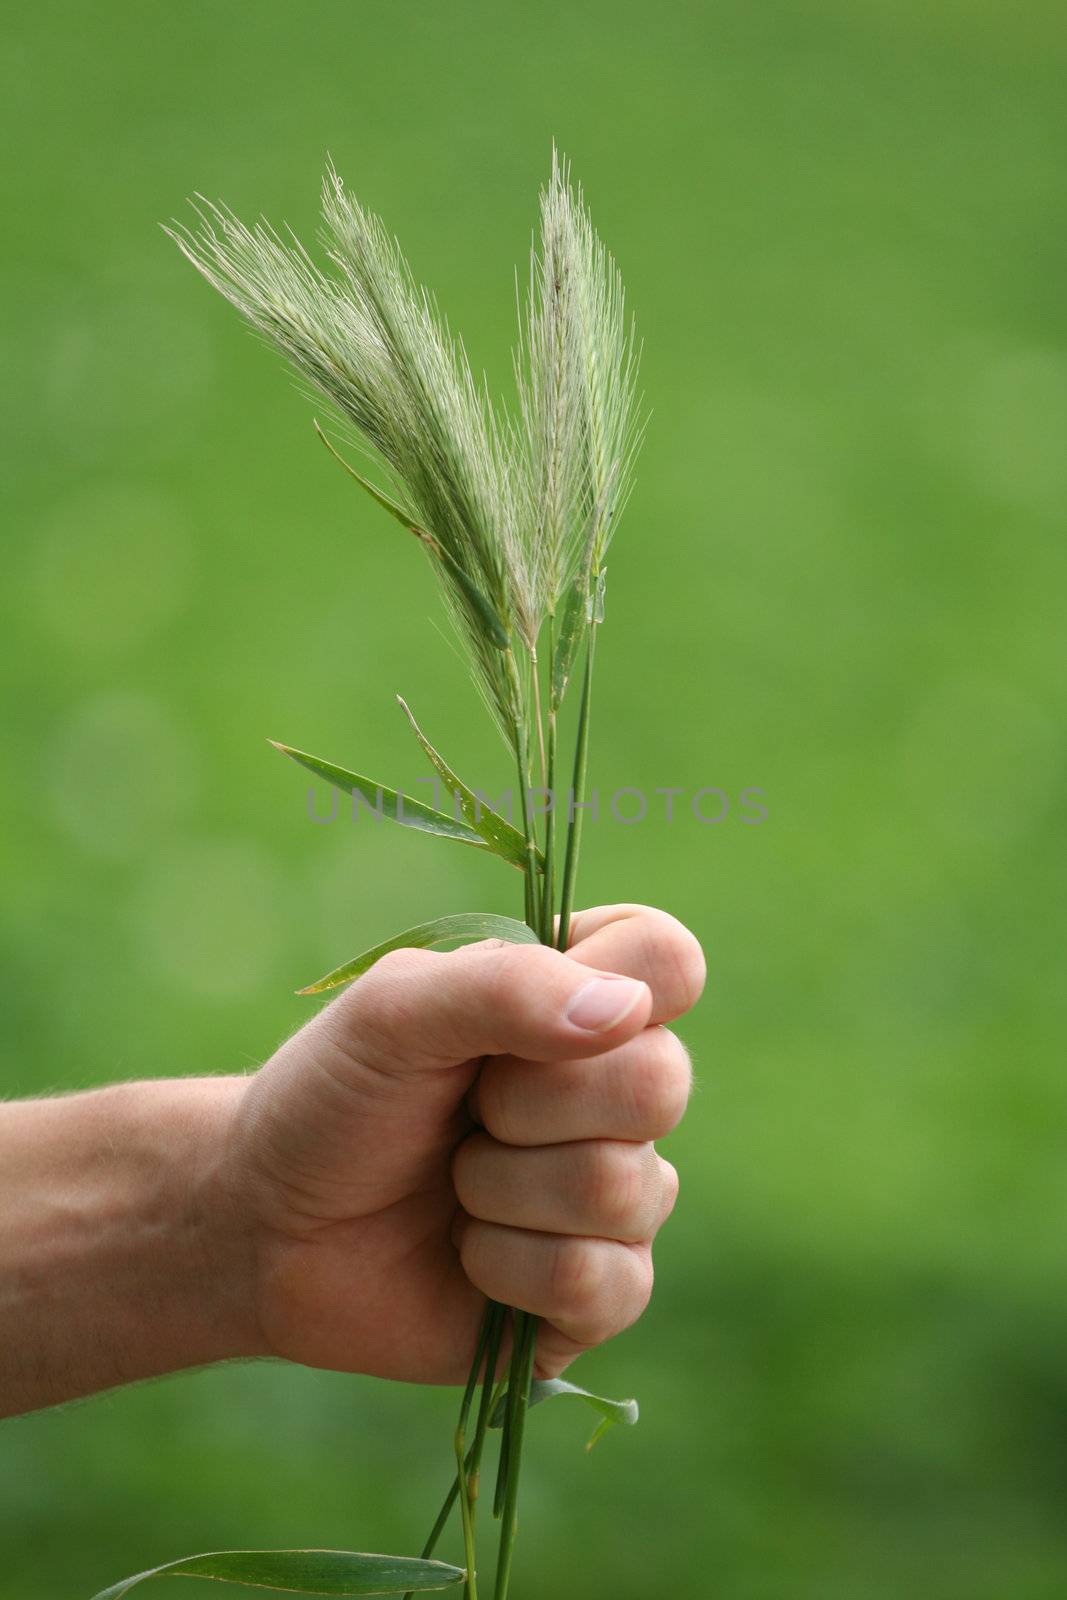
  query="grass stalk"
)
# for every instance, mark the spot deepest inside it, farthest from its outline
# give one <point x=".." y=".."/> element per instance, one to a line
<point x="549" y="883"/>
<point x="513" y="516"/>
<point x="548" y="906"/>
<point x="470" y="1559"/>
<point x="460" y="1443"/>
<point x="521" y="742"/>
<point x="500" y="1492"/>
<point x="488" y="1350"/>
<point x="518" y="1402"/>
<point x="491" y="1391"/>
<point x="577" y="796"/>
<point x="539" y="721"/>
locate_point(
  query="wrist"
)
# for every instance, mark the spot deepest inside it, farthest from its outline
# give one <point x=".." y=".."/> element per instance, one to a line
<point x="212" y="1233"/>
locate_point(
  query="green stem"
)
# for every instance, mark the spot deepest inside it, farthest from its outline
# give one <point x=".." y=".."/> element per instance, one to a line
<point x="522" y="762"/>
<point x="577" y="797"/>
<point x="489" y="1348"/>
<point x="491" y="1392"/>
<point x="539" y="721"/>
<point x="470" y="1468"/>
<point x="470" y="1588"/>
<point x="549" y="886"/>
<point x="518" y="1401"/>
<point x="460" y="1441"/>
<point x="532" y="900"/>
<point x="538" y="905"/>
<point x="500" y="1493"/>
<point x="439" y="1526"/>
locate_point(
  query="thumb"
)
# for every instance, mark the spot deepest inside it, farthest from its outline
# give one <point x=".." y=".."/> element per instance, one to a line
<point x="418" y="1010"/>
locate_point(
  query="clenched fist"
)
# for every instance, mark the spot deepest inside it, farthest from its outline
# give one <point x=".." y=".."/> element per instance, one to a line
<point x="452" y="1126"/>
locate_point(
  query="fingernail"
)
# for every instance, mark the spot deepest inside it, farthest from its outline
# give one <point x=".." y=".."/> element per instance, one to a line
<point x="602" y="1003"/>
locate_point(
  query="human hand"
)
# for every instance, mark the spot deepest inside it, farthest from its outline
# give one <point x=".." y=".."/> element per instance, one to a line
<point x="461" y="1125"/>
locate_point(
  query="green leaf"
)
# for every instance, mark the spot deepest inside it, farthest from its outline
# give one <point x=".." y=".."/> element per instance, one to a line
<point x="596" y="600"/>
<point x="402" y="808"/>
<point x="375" y="493"/>
<point x="498" y="834"/>
<point x="583" y="604"/>
<point x="463" y="927"/>
<point x="304" y="1572"/>
<point x="486" y="613"/>
<point x="611" y="1411"/>
<point x="572" y="623"/>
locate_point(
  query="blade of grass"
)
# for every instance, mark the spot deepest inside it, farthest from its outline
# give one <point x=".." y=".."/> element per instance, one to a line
<point x="385" y="802"/>
<point x="499" y="835"/>
<point x="463" y="927"/>
<point x="385" y="501"/>
<point x="610" y="1412"/>
<point x="322" y="1572"/>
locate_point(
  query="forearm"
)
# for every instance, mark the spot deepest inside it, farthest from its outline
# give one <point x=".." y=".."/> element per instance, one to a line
<point x="119" y="1255"/>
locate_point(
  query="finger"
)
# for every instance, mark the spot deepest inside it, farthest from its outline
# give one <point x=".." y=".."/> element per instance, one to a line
<point x="637" y="1091"/>
<point x="588" y="1290"/>
<point x="416" y="1010"/>
<point x="644" y="943"/>
<point x="599" y="1188"/>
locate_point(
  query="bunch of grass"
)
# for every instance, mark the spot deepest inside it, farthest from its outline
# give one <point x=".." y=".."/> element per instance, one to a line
<point x="372" y="343"/>
<point x="515" y="511"/>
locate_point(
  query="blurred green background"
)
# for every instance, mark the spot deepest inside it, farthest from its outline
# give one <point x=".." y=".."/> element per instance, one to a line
<point x="840" y="579"/>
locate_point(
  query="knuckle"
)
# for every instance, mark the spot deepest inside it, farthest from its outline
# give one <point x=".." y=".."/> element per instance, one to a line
<point x="616" y="1186"/>
<point x="577" y="1281"/>
<point x="633" y="1291"/>
<point x="514" y="983"/>
<point x="373" y="1016"/>
<point x="669" y="1185"/>
<point x="642" y="1277"/>
<point x="660" y="1082"/>
<point x="616" y="1285"/>
<point x="504" y="960"/>
<point x="505" y="973"/>
<point x="381" y="990"/>
<point x="396" y="966"/>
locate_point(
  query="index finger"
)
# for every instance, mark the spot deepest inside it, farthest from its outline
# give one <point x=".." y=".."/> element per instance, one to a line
<point x="642" y="942"/>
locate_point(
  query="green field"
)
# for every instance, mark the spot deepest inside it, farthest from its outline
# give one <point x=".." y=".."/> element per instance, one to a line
<point x="840" y="580"/>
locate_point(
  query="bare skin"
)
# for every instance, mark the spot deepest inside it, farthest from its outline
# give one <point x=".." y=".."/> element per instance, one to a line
<point x="452" y="1126"/>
